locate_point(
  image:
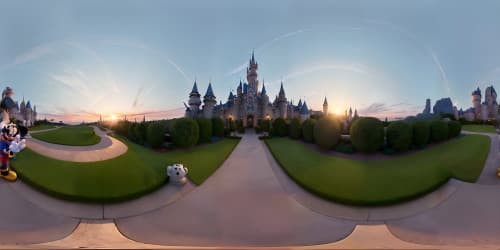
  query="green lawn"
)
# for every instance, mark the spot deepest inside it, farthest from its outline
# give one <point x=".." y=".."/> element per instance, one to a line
<point x="380" y="182"/>
<point x="138" y="171"/>
<point x="479" y="128"/>
<point x="42" y="127"/>
<point x="70" y="135"/>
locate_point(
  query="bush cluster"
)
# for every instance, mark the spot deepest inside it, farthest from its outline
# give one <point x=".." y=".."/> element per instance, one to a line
<point x="308" y="130"/>
<point x="367" y="134"/>
<point x="155" y="134"/>
<point x="205" y="130"/>
<point x="327" y="133"/>
<point x="185" y="132"/>
<point x="421" y="133"/>
<point x="439" y="130"/>
<point x="279" y="127"/>
<point x="399" y="135"/>
<point x="295" y="129"/>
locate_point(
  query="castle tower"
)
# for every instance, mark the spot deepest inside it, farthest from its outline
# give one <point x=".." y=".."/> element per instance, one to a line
<point x="490" y="97"/>
<point x="304" y="112"/>
<point x="325" y="107"/>
<point x="252" y="80"/>
<point x="209" y="102"/>
<point x="282" y="102"/>
<point x="264" y="100"/>
<point x="194" y="101"/>
<point x="476" y="102"/>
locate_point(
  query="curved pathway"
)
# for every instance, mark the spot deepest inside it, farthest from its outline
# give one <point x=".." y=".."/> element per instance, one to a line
<point x="106" y="149"/>
<point x="241" y="204"/>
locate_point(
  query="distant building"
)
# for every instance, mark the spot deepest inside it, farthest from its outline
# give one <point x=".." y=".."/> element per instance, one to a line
<point x="248" y="104"/>
<point x="487" y="110"/>
<point x="24" y="112"/>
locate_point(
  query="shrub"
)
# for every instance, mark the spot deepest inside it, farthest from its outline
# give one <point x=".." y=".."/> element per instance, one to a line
<point x="155" y="134"/>
<point x="308" y="130"/>
<point x="217" y="127"/>
<point x="399" y="135"/>
<point x="454" y="128"/>
<point x="367" y="134"/>
<point x="421" y="133"/>
<point x="295" y="129"/>
<point x="232" y="126"/>
<point x="205" y="129"/>
<point x="185" y="132"/>
<point x="279" y="127"/>
<point x="140" y="132"/>
<point x="327" y="133"/>
<point x="439" y="130"/>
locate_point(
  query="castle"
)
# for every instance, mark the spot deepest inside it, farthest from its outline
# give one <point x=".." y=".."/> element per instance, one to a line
<point x="488" y="110"/>
<point x="24" y="112"/>
<point x="248" y="104"/>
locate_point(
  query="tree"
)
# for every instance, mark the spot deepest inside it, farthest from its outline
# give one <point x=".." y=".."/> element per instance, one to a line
<point x="155" y="134"/>
<point x="205" y="129"/>
<point x="217" y="127"/>
<point x="185" y="132"/>
<point x="308" y="130"/>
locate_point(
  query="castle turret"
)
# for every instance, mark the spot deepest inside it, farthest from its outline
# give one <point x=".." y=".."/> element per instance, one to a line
<point x="209" y="102"/>
<point x="325" y="107"/>
<point x="476" y="102"/>
<point x="252" y="80"/>
<point x="282" y="102"/>
<point x="194" y="101"/>
<point x="304" y="112"/>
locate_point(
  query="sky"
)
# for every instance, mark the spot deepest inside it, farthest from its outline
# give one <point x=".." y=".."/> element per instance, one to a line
<point x="76" y="60"/>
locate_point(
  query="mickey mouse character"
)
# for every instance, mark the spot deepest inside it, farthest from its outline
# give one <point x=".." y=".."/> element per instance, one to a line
<point x="5" y="155"/>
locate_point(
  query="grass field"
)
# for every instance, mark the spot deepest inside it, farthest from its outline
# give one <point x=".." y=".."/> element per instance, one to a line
<point x="380" y="182"/>
<point x="42" y="127"/>
<point x="138" y="171"/>
<point x="479" y="128"/>
<point x="70" y="135"/>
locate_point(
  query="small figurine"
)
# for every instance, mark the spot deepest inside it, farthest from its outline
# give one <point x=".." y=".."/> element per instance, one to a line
<point x="10" y="136"/>
<point x="177" y="173"/>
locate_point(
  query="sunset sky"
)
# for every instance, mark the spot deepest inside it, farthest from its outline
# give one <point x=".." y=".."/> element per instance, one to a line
<point x="78" y="59"/>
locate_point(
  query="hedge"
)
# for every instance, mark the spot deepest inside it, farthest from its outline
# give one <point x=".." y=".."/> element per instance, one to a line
<point x="279" y="127"/>
<point x="367" y="134"/>
<point x="217" y="127"/>
<point x="308" y="130"/>
<point x="421" y="133"/>
<point x="454" y="128"/>
<point x="399" y="135"/>
<point x="155" y="134"/>
<point x="205" y="130"/>
<point x="295" y="129"/>
<point x="327" y="132"/>
<point x="140" y="132"/>
<point x="131" y="132"/>
<point x="185" y="132"/>
<point x="439" y="130"/>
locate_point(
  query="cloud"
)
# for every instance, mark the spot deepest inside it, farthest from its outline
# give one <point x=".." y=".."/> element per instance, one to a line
<point x="73" y="79"/>
<point x="426" y="48"/>
<point x="29" y="56"/>
<point x="382" y="110"/>
<point x="265" y="45"/>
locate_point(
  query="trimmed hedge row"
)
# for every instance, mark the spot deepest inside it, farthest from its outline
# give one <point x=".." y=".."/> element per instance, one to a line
<point x="367" y="134"/>
<point x="185" y="132"/>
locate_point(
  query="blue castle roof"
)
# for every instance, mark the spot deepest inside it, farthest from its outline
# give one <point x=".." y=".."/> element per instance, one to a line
<point x="304" y="110"/>
<point x="210" y="92"/>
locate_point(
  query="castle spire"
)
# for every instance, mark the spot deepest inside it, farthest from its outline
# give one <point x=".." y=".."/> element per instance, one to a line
<point x="282" y="90"/>
<point x="325" y="103"/>
<point x="263" y="87"/>
<point x="210" y="92"/>
<point x="195" y="88"/>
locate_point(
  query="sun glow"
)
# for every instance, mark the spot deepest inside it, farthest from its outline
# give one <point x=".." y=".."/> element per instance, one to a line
<point x="113" y="118"/>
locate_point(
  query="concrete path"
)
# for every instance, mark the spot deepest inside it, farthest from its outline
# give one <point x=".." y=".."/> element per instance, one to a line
<point x="156" y="200"/>
<point x="23" y="222"/>
<point x="106" y="149"/>
<point x="489" y="174"/>
<point x="242" y="204"/>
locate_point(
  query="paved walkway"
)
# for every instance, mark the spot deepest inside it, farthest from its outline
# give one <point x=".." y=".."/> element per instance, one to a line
<point x="106" y="149"/>
<point x="250" y="201"/>
<point x="241" y="204"/>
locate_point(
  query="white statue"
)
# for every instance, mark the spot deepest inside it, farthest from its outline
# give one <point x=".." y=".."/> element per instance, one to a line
<point x="177" y="173"/>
